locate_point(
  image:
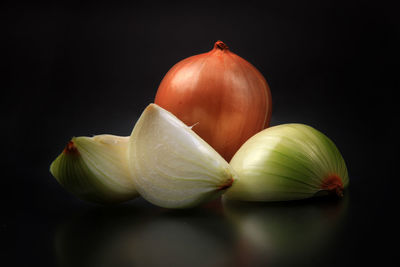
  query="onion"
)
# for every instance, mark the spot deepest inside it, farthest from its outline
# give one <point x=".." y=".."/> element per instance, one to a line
<point x="287" y="162"/>
<point x="96" y="169"/>
<point x="224" y="96"/>
<point x="171" y="166"/>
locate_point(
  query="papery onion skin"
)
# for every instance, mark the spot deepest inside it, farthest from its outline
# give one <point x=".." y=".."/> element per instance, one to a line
<point x="288" y="162"/>
<point x="223" y="95"/>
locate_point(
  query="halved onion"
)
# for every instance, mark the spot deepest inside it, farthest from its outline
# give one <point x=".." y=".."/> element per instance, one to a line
<point x="173" y="166"/>
<point x="96" y="169"/>
<point x="287" y="162"/>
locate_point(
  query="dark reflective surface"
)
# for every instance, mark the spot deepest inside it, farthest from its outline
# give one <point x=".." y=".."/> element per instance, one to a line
<point x="136" y="237"/>
<point x="316" y="232"/>
<point x="301" y="233"/>
<point x="222" y="234"/>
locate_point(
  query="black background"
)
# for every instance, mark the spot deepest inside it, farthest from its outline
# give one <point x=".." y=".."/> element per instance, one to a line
<point x="76" y="69"/>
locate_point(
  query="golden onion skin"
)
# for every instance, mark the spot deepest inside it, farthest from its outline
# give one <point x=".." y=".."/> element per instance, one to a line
<point x="221" y="93"/>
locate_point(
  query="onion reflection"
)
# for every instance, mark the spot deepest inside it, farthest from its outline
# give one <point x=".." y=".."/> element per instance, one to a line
<point x="128" y="237"/>
<point x="297" y="233"/>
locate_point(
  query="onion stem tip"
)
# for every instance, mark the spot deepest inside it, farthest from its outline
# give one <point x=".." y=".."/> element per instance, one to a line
<point x="226" y="185"/>
<point x="71" y="149"/>
<point x="220" y="45"/>
<point x="333" y="184"/>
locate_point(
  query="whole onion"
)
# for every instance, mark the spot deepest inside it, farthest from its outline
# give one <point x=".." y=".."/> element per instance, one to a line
<point x="225" y="97"/>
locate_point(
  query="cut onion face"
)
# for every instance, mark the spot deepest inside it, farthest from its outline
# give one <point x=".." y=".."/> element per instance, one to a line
<point x="173" y="166"/>
<point x="96" y="169"/>
<point x="288" y="162"/>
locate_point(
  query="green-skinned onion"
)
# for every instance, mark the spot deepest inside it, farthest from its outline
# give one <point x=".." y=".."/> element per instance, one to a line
<point x="288" y="162"/>
<point x="95" y="169"/>
<point x="173" y="166"/>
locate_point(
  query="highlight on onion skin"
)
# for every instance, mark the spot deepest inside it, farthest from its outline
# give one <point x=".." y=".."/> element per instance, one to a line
<point x="288" y="162"/>
<point x="223" y="95"/>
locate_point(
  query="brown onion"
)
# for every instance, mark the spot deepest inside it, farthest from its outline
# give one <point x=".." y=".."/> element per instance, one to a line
<point x="223" y="95"/>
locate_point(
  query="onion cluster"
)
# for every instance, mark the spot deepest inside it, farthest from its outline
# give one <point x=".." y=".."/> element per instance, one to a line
<point x="210" y="109"/>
